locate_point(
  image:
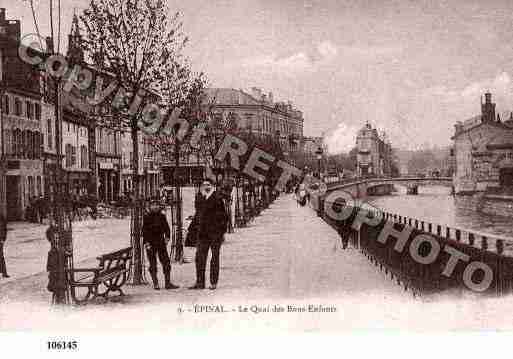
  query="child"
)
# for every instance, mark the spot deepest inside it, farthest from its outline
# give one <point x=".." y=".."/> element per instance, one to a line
<point x="52" y="267"/>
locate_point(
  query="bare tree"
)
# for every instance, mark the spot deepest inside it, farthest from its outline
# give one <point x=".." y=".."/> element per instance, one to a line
<point x="134" y="41"/>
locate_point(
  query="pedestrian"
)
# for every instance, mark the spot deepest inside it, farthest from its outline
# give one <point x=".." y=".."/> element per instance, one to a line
<point x="213" y="222"/>
<point x="3" y="237"/>
<point x="156" y="234"/>
<point x="56" y="283"/>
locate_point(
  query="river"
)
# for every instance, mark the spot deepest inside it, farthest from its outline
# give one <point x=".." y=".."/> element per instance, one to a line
<point x="438" y="206"/>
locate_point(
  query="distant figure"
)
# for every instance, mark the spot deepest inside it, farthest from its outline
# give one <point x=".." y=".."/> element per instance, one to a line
<point x="213" y="223"/>
<point x="156" y="234"/>
<point x="3" y="236"/>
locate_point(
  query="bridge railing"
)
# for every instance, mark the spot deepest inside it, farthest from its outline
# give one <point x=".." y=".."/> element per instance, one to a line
<point x="353" y="181"/>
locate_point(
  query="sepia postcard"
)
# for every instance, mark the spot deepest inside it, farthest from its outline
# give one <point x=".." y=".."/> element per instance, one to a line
<point x="234" y="166"/>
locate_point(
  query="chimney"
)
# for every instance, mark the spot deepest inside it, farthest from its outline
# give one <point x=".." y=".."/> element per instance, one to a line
<point x="257" y="93"/>
<point x="488" y="109"/>
<point x="49" y="45"/>
<point x="14" y="29"/>
<point x="458" y="127"/>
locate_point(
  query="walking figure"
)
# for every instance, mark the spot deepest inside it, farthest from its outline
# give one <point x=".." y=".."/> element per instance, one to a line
<point x="213" y="223"/>
<point x="3" y="237"/>
<point x="156" y="234"/>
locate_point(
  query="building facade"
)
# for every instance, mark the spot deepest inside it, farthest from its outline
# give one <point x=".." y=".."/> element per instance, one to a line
<point x="21" y="169"/>
<point x="483" y="152"/>
<point x="258" y="113"/>
<point x="374" y="156"/>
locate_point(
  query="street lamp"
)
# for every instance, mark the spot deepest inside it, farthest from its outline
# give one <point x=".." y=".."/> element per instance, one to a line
<point x="318" y="154"/>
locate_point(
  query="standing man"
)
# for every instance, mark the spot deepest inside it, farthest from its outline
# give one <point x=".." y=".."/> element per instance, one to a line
<point x="3" y="236"/>
<point x="156" y="234"/>
<point x="213" y="222"/>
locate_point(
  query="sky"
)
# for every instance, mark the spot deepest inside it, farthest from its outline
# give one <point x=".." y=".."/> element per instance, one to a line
<point x="409" y="67"/>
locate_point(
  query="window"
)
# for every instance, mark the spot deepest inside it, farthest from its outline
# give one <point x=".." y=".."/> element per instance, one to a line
<point x="29" y="109"/>
<point x="38" y="111"/>
<point x="17" y="107"/>
<point x="84" y="163"/>
<point x="68" y="155"/>
<point x="29" y="144"/>
<point x="15" y="143"/>
<point x="100" y="139"/>
<point x="73" y="156"/>
<point x="30" y="186"/>
<point x="5" y="104"/>
<point x="49" y="133"/>
<point x="24" y="144"/>
<point x="39" y="187"/>
<point x="8" y="142"/>
<point x="37" y="145"/>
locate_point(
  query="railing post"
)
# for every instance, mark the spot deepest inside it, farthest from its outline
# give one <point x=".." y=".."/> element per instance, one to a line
<point x="471" y="239"/>
<point x="447" y="233"/>
<point x="438" y="230"/>
<point x="458" y="235"/>
<point x="500" y="246"/>
<point x="430" y="227"/>
<point x="484" y="243"/>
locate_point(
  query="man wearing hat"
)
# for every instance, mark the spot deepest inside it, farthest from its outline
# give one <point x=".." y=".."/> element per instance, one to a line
<point x="156" y="234"/>
<point x="213" y="222"/>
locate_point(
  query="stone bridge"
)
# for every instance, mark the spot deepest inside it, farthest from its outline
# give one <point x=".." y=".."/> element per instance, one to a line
<point x="369" y="186"/>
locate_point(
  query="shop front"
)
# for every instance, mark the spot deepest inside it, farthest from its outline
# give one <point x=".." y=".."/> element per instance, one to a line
<point x="78" y="182"/>
<point x="23" y="182"/>
<point x="108" y="181"/>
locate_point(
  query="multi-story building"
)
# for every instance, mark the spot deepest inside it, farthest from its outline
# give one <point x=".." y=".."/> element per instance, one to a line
<point x="483" y="151"/>
<point x="108" y="163"/>
<point x="374" y="156"/>
<point x="20" y="120"/>
<point x="258" y="113"/>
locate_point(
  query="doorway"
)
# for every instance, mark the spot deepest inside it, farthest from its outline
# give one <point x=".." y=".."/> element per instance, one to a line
<point x="506" y="177"/>
<point x="13" y="198"/>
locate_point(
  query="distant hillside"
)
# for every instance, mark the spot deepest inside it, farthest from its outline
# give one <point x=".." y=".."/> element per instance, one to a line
<point x="420" y="161"/>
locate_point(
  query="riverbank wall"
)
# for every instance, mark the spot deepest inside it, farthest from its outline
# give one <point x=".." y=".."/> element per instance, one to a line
<point x="495" y="205"/>
<point x="420" y="266"/>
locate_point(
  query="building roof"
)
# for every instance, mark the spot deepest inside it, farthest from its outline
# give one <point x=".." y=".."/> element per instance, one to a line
<point x="471" y="126"/>
<point x="229" y="96"/>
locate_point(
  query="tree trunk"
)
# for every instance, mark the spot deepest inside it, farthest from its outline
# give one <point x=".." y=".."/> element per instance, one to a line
<point x="137" y="274"/>
<point x="179" y="239"/>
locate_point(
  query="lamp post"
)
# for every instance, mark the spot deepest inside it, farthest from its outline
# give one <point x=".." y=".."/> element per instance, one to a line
<point x="178" y="191"/>
<point x="2" y="138"/>
<point x="318" y="154"/>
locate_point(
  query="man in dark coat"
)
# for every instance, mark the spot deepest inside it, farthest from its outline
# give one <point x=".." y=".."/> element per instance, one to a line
<point x="156" y="234"/>
<point x="3" y="236"/>
<point x="213" y="221"/>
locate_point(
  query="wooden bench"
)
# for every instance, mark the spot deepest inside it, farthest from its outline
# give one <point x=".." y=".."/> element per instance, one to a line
<point x="112" y="272"/>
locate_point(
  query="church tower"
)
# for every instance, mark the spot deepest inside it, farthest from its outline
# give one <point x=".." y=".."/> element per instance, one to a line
<point x="75" y="52"/>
